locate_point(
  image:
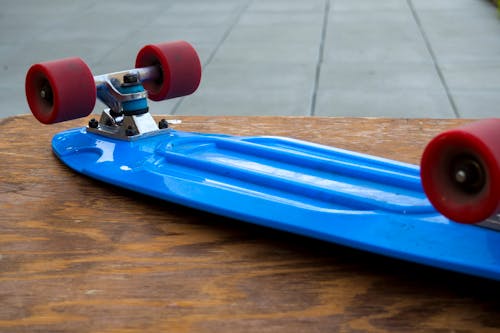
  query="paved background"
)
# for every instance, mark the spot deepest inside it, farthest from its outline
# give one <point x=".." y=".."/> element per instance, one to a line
<point x="385" y="58"/>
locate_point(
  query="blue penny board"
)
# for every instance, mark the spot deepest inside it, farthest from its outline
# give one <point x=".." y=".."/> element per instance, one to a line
<point x="339" y="196"/>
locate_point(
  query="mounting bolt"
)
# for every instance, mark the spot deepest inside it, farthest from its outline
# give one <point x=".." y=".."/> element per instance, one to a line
<point x="163" y="124"/>
<point x="93" y="123"/>
<point x="130" y="131"/>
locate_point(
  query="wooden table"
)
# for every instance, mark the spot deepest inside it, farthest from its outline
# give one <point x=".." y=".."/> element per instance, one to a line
<point x="78" y="255"/>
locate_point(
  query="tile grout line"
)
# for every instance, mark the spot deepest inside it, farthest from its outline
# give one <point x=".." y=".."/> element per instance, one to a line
<point x="434" y="59"/>
<point x="312" y="111"/>
<point x="216" y="49"/>
<point x="226" y="33"/>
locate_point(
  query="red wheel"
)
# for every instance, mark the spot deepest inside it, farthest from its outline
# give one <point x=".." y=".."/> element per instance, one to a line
<point x="60" y="90"/>
<point x="460" y="171"/>
<point x="179" y="65"/>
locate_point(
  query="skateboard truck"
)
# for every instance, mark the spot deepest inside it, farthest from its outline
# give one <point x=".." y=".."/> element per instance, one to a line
<point x="65" y="89"/>
<point x="127" y="116"/>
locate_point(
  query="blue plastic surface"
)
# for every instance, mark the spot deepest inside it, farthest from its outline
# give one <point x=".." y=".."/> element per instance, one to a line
<point x="347" y="198"/>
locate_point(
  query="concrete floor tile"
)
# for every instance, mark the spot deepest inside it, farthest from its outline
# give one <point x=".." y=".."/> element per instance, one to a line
<point x="472" y="6"/>
<point x="89" y="50"/>
<point x="467" y="50"/>
<point x="12" y="76"/>
<point x="190" y="19"/>
<point x="158" y="32"/>
<point x="474" y="88"/>
<point x="259" y="76"/>
<point x="12" y="91"/>
<point x="381" y="37"/>
<point x="475" y="76"/>
<point x="203" y="6"/>
<point x="13" y="101"/>
<point x="477" y="104"/>
<point x="369" y="5"/>
<point x="383" y="77"/>
<point x="245" y="103"/>
<point x="459" y="36"/>
<point x="261" y="89"/>
<point x="293" y="20"/>
<point x="7" y="51"/>
<point x="281" y="6"/>
<point x="126" y="9"/>
<point x="267" y="53"/>
<point x="471" y="49"/>
<point x="459" y="23"/>
<point x="21" y="23"/>
<point x="375" y="103"/>
<point x="40" y="13"/>
<point x="275" y="35"/>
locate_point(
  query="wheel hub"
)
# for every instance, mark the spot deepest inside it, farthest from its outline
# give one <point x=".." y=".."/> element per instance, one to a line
<point x="468" y="174"/>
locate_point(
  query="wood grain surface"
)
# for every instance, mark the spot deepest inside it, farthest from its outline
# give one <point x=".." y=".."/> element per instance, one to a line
<point x="77" y="255"/>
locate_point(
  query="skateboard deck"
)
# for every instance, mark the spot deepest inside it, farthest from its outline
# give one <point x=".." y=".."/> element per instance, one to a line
<point x="338" y="196"/>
